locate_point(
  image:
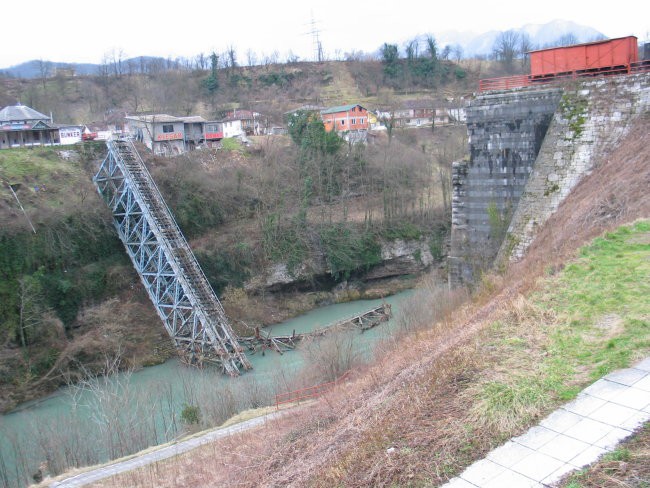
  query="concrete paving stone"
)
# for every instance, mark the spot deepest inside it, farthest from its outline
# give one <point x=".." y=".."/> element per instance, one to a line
<point x="558" y="474"/>
<point x="588" y="456"/>
<point x="636" y="421"/>
<point x="564" y="448"/>
<point x="643" y="365"/>
<point x="584" y="404"/>
<point x="633" y="398"/>
<point x="482" y="471"/>
<point x="536" y="437"/>
<point x="612" y="438"/>
<point x="561" y="420"/>
<point x="511" y="479"/>
<point x="458" y="483"/>
<point x="643" y="384"/>
<point x="627" y="377"/>
<point x="605" y="389"/>
<point x="613" y="414"/>
<point x="537" y="466"/>
<point x="589" y="431"/>
<point x="509" y="453"/>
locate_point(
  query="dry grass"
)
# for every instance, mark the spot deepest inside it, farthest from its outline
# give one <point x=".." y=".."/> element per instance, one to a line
<point x="627" y="467"/>
<point x="440" y="397"/>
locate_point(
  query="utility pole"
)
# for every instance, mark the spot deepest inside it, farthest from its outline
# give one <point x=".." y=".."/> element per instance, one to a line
<point x="318" y="46"/>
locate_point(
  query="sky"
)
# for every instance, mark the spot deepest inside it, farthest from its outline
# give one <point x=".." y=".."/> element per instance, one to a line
<point x="90" y="31"/>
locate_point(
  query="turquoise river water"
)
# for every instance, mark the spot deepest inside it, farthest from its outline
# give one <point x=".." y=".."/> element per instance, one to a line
<point x="105" y="418"/>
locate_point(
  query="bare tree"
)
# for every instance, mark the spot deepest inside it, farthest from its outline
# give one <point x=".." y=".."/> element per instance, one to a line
<point x="44" y="70"/>
<point x="506" y="48"/>
<point x="566" y="40"/>
<point x="32" y="309"/>
<point x="525" y="46"/>
<point x="251" y="57"/>
<point x="231" y="54"/>
<point x="457" y="52"/>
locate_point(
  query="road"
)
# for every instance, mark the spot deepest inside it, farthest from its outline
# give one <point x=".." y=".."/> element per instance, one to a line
<point x="138" y="461"/>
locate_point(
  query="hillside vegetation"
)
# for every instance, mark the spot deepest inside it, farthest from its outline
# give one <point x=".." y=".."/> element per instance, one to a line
<point x="270" y="89"/>
<point x="465" y="379"/>
<point x="322" y="214"/>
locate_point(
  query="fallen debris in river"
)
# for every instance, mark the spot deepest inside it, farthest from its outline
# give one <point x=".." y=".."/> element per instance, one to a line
<point x="262" y="341"/>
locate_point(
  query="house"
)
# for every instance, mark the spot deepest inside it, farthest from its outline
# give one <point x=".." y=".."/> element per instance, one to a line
<point x="212" y="132"/>
<point x="252" y="123"/>
<point x="232" y="127"/>
<point x="345" y="118"/>
<point x="423" y="113"/>
<point x="193" y="131"/>
<point x="163" y="134"/>
<point x="22" y="126"/>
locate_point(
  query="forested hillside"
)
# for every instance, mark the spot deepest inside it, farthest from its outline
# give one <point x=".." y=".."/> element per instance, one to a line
<point x="271" y="88"/>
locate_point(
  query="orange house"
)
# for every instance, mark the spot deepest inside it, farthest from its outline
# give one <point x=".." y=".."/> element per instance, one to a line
<point x="345" y="118"/>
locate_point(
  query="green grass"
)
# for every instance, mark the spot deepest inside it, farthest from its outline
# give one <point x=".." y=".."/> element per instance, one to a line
<point x="42" y="179"/>
<point x="586" y="321"/>
<point x="39" y="164"/>
<point x="602" y="299"/>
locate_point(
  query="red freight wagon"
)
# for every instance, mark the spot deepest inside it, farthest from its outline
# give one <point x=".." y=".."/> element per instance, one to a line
<point x="611" y="55"/>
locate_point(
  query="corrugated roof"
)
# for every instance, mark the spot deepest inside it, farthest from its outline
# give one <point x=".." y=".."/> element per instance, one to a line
<point x="20" y="112"/>
<point x="156" y="118"/>
<point x="341" y="108"/>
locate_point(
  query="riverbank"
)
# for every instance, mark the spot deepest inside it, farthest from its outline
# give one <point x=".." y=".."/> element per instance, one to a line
<point x="160" y="393"/>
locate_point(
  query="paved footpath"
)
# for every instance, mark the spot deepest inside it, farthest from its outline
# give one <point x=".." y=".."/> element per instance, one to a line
<point x="574" y="436"/>
<point x="166" y="452"/>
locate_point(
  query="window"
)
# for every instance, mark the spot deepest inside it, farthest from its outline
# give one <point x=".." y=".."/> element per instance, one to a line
<point x="354" y="121"/>
<point x="167" y="128"/>
<point x="343" y="122"/>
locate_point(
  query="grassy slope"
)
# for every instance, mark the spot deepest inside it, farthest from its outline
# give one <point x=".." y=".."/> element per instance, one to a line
<point x="428" y="408"/>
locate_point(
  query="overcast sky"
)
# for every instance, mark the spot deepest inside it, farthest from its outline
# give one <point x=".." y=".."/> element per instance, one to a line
<point x="85" y="31"/>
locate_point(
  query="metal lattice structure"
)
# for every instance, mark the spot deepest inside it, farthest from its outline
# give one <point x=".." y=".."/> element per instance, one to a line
<point x="180" y="292"/>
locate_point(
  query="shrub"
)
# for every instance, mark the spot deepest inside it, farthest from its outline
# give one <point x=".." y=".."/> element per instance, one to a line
<point x="191" y="414"/>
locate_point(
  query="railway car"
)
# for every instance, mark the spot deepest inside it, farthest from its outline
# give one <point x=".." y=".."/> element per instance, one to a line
<point x="600" y="58"/>
<point x="611" y="56"/>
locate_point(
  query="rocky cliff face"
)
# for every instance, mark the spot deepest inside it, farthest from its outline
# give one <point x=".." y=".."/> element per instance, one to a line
<point x="399" y="258"/>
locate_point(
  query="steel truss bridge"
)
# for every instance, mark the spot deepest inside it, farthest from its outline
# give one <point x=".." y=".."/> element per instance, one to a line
<point x="180" y="292"/>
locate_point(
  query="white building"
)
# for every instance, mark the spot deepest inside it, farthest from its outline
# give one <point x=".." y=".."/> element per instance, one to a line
<point x="232" y="127"/>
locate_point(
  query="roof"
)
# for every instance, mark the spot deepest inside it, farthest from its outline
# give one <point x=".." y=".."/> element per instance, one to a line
<point x="20" y="112"/>
<point x="193" y="119"/>
<point x="602" y="41"/>
<point x="340" y="108"/>
<point x="242" y="114"/>
<point x="155" y="118"/>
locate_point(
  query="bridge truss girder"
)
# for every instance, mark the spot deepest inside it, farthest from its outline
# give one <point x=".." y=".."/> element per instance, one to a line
<point x="182" y="296"/>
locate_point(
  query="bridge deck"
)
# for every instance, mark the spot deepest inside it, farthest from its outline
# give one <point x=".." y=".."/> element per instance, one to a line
<point x="174" y="280"/>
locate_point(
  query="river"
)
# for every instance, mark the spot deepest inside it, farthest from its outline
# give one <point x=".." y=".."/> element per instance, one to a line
<point x="105" y="418"/>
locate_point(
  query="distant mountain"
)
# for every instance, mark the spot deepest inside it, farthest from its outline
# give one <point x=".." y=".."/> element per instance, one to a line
<point x="541" y="35"/>
<point x="36" y="68"/>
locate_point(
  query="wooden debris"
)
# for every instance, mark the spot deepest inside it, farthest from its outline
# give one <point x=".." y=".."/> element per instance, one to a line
<point x="364" y="321"/>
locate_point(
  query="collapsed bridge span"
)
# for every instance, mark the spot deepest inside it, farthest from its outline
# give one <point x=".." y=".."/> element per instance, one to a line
<point x="180" y="292"/>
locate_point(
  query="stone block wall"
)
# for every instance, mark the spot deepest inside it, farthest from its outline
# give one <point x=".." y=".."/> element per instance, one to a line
<point x="592" y="117"/>
<point x="506" y="130"/>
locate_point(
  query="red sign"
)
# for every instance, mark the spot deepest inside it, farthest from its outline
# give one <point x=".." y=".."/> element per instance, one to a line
<point x="214" y="135"/>
<point x="170" y="136"/>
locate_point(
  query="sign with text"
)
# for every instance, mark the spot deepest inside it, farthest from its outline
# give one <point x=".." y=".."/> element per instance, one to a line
<point x="169" y="136"/>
